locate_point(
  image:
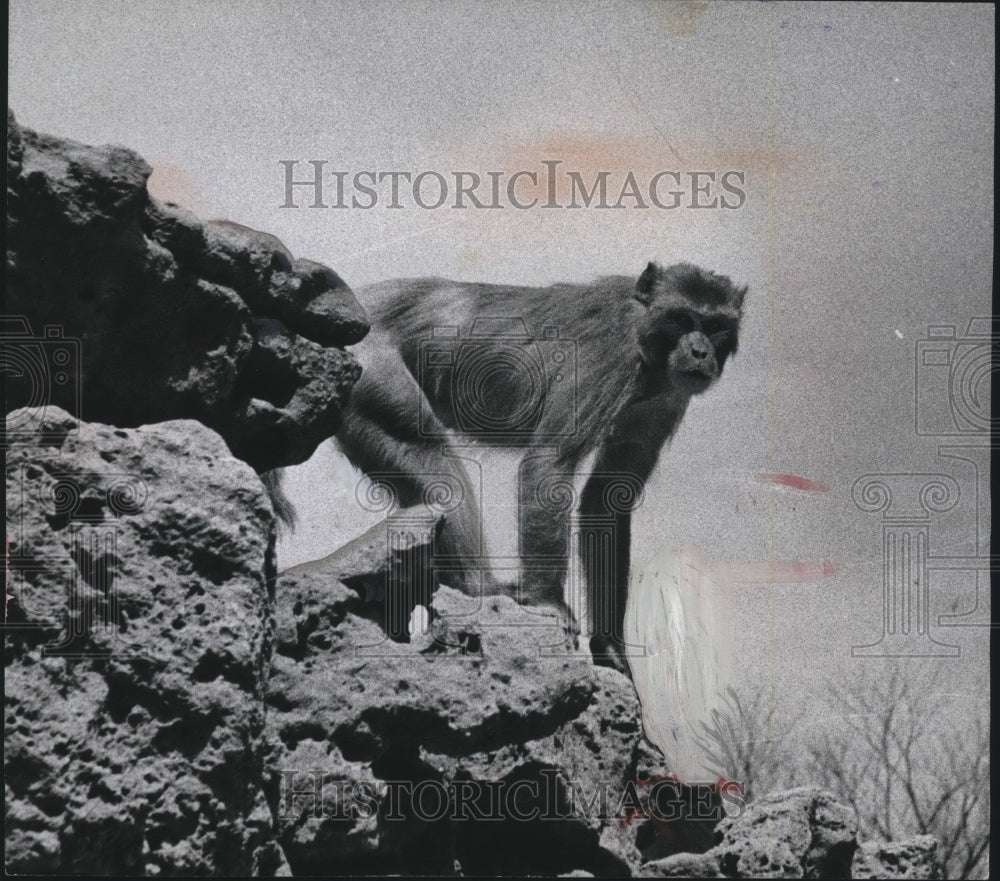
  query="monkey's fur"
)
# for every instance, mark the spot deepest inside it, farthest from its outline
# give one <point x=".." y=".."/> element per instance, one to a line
<point x="641" y="350"/>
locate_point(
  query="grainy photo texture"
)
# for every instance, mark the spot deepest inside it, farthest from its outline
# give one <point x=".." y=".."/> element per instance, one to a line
<point x="498" y="439"/>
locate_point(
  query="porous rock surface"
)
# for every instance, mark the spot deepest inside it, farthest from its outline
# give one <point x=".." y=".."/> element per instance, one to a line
<point x="161" y="737"/>
<point x="135" y="654"/>
<point x="914" y="858"/>
<point x="801" y="833"/>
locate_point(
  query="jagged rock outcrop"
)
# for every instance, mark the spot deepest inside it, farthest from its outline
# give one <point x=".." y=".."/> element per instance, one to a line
<point x="801" y="833"/>
<point x="804" y="833"/>
<point x="135" y="653"/>
<point x="914" y="859"/>
<point x="387" y="752"/>
<point x="137" y="649"/>
<point x="157" y="315"/>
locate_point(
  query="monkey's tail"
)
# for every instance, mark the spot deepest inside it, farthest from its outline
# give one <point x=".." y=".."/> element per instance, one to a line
<point x="284" y="510"/>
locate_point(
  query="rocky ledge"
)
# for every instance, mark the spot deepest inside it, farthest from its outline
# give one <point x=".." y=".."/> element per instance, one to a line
<point x="125" y="310"/>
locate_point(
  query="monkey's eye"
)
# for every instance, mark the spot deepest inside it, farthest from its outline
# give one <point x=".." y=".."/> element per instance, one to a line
<point x="720" y="337"/>
<point x="678" y="324"/>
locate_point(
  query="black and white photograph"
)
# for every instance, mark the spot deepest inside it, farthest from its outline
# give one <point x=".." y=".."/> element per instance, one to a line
<point x="498" y="439"/>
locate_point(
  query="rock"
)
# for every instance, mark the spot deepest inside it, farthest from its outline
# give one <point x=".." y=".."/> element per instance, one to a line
<point x="801" y="833"/>
<point x="914" y="858"/>
<point x="308" y="297"/>
<point x="130" y="311"/>
<point x="411" y="757"/>
<point x="136" y="650"/>
<point x="141" y="737"/>
<point x="685" y="865"/>
<point x="367" y="565"/>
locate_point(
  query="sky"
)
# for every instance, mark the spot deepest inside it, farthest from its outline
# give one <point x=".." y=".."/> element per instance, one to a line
<point x="864" y="134"/>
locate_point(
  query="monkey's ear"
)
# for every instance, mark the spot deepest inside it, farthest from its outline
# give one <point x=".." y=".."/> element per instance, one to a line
<point x="739" y="295"/>
<point x="647" y="281"/>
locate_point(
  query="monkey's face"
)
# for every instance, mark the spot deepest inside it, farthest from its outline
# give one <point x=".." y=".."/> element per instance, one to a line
<point x="689" y="326"/>
<point x="689" y="348"/>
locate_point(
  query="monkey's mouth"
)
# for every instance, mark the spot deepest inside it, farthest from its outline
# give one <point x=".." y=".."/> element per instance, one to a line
<point x="690" y="382"/>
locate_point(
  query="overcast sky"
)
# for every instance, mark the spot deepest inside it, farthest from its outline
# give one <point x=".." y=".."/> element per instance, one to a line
<point x="865" y="134"/>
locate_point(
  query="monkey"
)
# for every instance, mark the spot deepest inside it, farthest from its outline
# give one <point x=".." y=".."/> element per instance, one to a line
<point x="560" y="372"/>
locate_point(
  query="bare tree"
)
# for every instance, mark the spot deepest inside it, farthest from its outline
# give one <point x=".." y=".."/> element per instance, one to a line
<point x="744" y="739"/>
<point x="907" y="755"/>
<point x="910" y="759"/>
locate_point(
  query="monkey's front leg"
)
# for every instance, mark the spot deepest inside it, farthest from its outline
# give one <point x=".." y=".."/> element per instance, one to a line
<point x="545" y="510"/>
<point x="605" y="545"/>
<point x="612" y="491"/>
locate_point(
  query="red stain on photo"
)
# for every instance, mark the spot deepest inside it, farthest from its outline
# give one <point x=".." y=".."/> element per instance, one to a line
<point x="793" y="481"/>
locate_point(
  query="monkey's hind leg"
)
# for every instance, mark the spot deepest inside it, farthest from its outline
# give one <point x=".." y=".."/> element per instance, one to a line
<point x="545" y="508"/>
<point x="380" y="436"/>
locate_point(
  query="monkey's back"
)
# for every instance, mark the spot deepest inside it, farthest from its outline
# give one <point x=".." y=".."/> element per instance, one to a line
<point x="586" y="313"/>
<point x="504" y="350"/>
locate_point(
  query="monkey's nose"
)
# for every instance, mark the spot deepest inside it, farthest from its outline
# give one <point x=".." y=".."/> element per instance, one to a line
<point x="699" y="352"/>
